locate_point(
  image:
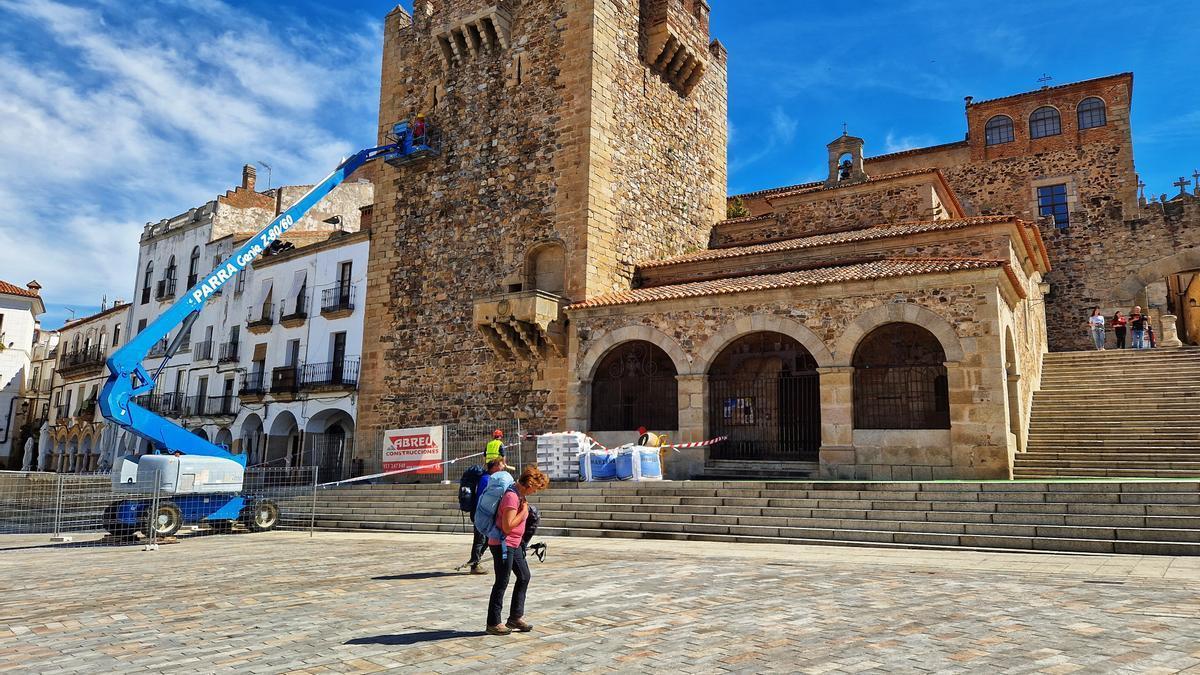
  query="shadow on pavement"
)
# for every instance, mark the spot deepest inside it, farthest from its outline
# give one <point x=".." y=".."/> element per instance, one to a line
<point x="415" y="638"/>
<point x="411" y="576"/>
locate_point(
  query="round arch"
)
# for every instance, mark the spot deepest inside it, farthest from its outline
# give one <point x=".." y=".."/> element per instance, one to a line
<point x="199" y="431"/>
<point x="1012" y="379"/>
<point x="901" y="312"/>
<point x="329" y="443"/>
<point x="250" y="435"/>
<point x="609" y="341"/>
<point x="1182" y="261"/>
<point x="636" y="384"/>
<point x="283" y="440"/>
<point x="545" y="267"/>
<point x="224" y="437"/>
<point x="763" y="323"/>
<point x="900" y="380"/>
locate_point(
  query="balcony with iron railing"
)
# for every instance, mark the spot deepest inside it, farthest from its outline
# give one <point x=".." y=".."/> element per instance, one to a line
<point x="202" y="351"/>
<point x="260" y="319"/>
<point x="164" y="289"/>
<point x="62" y="412"/>
<point x="87" y="358"/>
<point x="87" y="409"/>
<point x="285" y="380"/>
<point x="331" y="375"/>
<point x="192" y="279"/>
<point x="212" y="406"/>
<point x="170" y="405"/>
<point x="293" y="312"/>
<point x="253" y="384"/>
<point x="159" y="348"/>
<point x="338" y="301"/>
<point x="228" y="353"/>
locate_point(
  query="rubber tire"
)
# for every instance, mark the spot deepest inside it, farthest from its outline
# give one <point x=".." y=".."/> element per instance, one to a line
<point x="174" y="518"/>
<point x="109" y="519"/>
<point x="255" y="521"/>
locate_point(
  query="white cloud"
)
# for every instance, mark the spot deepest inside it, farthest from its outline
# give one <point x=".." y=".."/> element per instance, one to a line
<point x="893" y="143"/>
<point x="117" y="113"/>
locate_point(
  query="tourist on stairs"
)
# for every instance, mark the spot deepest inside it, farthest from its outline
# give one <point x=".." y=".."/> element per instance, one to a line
<point x="1118" y="323"/>
<point x="1096" y="326"/>
<point x="1137" y="323"/>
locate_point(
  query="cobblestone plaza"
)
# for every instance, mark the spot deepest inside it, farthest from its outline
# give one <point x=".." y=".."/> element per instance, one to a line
<point x="285" y="602"/>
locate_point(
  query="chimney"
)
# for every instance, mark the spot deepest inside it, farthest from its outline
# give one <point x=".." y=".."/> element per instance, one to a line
<point x="34" y="286"/>
<point x="248" y="174"/>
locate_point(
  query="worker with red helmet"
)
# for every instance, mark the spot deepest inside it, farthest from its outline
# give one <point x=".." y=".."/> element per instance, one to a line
<point x="495" y="447"/>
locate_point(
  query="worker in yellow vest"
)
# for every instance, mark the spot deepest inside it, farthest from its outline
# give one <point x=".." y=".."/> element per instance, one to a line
<point x="495" y="447"/>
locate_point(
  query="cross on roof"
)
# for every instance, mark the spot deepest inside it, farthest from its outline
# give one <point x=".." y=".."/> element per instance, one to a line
<point x="843" y="128"/>
<point x="1142" y="188"/>
<point x="1182" y="184"/>
<point x="1044" y="79"/>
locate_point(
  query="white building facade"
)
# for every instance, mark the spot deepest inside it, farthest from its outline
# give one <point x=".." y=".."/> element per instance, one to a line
<point x="82" y="441"/>
<point x="19" y="311"/>
<point x="200" y="385"/>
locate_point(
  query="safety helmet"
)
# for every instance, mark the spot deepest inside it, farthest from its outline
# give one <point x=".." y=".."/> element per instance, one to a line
<point x="497" y="434"/>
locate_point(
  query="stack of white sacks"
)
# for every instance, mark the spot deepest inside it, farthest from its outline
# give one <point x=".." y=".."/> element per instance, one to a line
<point x="558" y="454"/>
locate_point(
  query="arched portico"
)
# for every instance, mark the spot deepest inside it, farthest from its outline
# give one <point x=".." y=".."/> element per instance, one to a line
<point x="764" y="323"/>
<point x="900" y="312"/>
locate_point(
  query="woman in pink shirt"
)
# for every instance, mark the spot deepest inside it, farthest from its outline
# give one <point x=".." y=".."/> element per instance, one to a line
<point x="509" y="558"/>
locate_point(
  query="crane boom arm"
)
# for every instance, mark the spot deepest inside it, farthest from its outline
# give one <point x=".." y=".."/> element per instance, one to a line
<point x="128" y="377"/>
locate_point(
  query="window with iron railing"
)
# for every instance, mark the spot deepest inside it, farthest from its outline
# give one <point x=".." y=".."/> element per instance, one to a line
<point x="253" y="383"/>
<point x="330" y="374"/>
<point x="229" y="352"/>
<point x="296" y="308"/>
<point x="284" y="379"/>
<point x="337" y="299"/>
<point x="260" y="316"/>
<point x="203" y="350"/>
<point x="159" y="348"/>
<point x="165" y="289"/>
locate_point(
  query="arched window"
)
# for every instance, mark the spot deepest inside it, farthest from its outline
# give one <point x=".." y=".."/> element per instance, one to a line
<point x="546" y="265"/>
<point x="635" y="386"/>
<point x="1044" y="122"/>
<point x="116" y="335"/>
<point x="998" y="130"/>
<point x="170" y="272"/>
<point x="900" y="380"/>
<point x="1091" y="113"/>
<point x="147" y="281"/>
<point x="194" y="267"/>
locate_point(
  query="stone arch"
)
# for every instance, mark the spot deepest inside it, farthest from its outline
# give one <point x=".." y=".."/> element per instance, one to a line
<point x="1012" y="379"/>
<point x="224" y="437"/>
<point x="1182" y="261"/>
<point x="900" y="312"/>
<point x="546" y="268"/>
<point x="759" y="323"/>
<point x="610" y="340"/>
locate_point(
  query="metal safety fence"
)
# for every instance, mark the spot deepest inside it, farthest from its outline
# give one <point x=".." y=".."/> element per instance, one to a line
<point x="93" y="510"/>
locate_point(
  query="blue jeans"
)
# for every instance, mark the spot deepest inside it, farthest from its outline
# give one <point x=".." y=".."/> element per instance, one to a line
<point x="1098" y="336"/>
<point x="1139" y="339"/>
<point x="505" y="565"/>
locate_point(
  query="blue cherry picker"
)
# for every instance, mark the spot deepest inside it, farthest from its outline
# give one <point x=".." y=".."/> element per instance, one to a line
<point x="195" y="480"/>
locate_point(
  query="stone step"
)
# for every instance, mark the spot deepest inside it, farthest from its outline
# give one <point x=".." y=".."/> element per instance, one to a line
<point x="1095" y="472"/>
<point x="1085" y="454"/>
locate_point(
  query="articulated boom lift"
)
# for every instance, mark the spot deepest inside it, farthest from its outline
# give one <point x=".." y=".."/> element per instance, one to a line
<point x="197" y="480"/>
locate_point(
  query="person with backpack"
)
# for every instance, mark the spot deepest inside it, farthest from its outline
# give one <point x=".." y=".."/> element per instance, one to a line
<point x="472" y="484"/>
<point x="506" y="539"/>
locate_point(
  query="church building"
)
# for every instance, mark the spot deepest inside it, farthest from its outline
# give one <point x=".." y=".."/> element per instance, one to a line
<point x="568" y="256"/>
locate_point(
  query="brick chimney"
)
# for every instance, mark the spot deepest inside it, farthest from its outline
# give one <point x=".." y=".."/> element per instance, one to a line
<point x="248" y="174"/>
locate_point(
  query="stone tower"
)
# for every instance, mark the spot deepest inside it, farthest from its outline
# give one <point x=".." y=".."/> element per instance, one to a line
<point x="576" y="138"/>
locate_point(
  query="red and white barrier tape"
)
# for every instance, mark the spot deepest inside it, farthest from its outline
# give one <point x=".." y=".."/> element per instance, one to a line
<point x="697" y="444"/>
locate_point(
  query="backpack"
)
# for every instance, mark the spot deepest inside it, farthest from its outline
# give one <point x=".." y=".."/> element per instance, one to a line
<point x="467" y="486"/>
<point x="489" y="503"/>
<point x="531" y="525"/>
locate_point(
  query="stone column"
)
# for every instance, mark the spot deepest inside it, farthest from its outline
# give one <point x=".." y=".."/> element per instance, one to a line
<point x="837" y="422"/>
<point x="689" y="463"/>
<point x="579" y="397"/>
<point x="1170" y="335"/>
<point x="978" y="426"/>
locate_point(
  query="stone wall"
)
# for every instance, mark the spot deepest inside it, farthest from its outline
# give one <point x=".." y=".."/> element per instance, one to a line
<point x="564" y="135"/>
<point x="961" y="309"/>
<point x="847" y="208"/>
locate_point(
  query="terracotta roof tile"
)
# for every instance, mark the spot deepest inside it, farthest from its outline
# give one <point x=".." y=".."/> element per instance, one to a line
<point x="918" y="151"/>
<point x="875" y="269"/>
<point x="820" y="187"/>
<point x="13" y="289"/>
<point x="813" y="241"/>
<point x="776" y="190"/>
<point x="1057" y="86"/>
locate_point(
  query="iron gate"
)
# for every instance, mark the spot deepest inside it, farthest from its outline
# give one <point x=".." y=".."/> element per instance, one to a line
<point x="767" y="419"/>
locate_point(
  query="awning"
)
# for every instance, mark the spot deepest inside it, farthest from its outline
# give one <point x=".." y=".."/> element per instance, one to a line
<point x="298" y="281"/>
<point x="264" y="294"/>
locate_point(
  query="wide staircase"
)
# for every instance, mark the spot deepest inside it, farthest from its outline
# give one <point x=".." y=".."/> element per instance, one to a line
<point x="1140" y="517"/>
<point x="1116" y="414"/>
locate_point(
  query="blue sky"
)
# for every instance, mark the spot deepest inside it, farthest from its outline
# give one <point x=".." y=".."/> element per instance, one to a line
<point x="116" y="113"/>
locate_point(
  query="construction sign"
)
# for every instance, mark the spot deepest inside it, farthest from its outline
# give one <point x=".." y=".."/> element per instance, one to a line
<point x="416" y="450"/>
